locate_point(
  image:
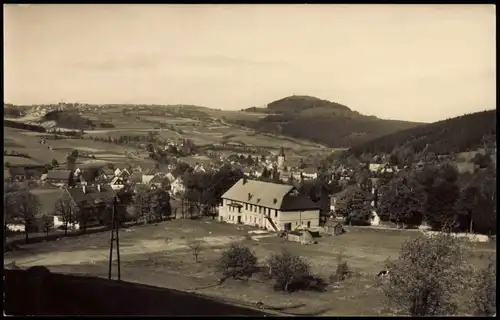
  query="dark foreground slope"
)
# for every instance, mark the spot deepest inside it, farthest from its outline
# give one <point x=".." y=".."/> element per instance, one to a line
<point x="321" y="121"/>
<point x="460" y="134"/>
<point x="45" y="293"/>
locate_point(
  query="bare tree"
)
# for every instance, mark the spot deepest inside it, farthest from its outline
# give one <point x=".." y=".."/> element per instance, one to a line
<point x="196" y="246"/>
<point x="429" y="276"/>
<point x="48" y="224"/>
<point x="64" y="209"/>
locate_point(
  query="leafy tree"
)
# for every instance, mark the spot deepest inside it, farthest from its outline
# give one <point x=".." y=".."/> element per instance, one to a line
<point x="289" y="271"/>
<point x="265" y="173"/>
<point x="48" y="224"/>
<point x="354" y="204"/>
<point x="429" y="276"/>
<point x="237" y="262"/>
<point x="64" y="209"/>
<point x="25" y="207"/>
<point x="486" y="291"/>
<point x="250" y="160"/>
<point x="481" y="160"/>
<point x="394" y="160"/>
<point x="141" y="199"/>
<point x="83" y="213"/>
<point x="160" y="204"/>
<point x="476" y="206"/>
<point x="302" y="165"/>
<point x="71" y="159"/>
<point x="362" y="175"/>
<point x="442" y="192"/>
<point x="402" y="201"/>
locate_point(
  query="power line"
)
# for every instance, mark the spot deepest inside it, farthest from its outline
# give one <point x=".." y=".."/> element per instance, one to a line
<point x="115" y="237"/>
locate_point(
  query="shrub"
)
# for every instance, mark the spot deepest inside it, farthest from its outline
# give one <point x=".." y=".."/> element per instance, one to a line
<point x="429" y="276"/>
<point x="343" y="271"/>
<point x="289" y="271"/>
<point x="237" y="262"/>
<point x="485" y="293"/>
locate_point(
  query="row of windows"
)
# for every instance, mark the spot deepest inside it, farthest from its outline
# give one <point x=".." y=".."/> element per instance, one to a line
<point x="259" y="209"/>
<point x="256" y="209"/>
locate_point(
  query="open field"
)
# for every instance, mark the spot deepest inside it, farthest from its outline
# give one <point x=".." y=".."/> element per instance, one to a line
<point x="27" y="142"/>
<point x="159" y="255"/>
<point x="203" y="126"/>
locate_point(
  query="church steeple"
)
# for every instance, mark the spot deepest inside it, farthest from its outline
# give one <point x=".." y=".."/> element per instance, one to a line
<point x="281" y="159"/>
<point x="282" y="152"/>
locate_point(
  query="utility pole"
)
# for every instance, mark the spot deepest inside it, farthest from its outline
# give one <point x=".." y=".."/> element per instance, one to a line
<point x="114" y="238"/>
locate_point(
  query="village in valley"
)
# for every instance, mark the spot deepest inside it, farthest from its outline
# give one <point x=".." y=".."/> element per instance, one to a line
<point x="298" y="207"/>
<point x="333" y="209"/>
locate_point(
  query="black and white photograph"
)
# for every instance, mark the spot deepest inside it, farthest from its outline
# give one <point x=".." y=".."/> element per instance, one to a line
<point x="254" y="160"/>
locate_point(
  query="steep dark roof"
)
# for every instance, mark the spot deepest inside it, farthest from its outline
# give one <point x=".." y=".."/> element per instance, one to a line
<point x="58" y="175"/>
<point x="298" y="202"/>
<point x="270" y="195"/>
<point x="91" y="194"/>
<point x="156" y="179"/>
<point x="265" y="194"/>
<point x="47" y="199"/>
<point x="136" y="177"/>
<point x="108" y="172"/>
<point x="14" y="171"/>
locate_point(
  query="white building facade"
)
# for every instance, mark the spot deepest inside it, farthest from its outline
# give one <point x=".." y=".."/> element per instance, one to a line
<point x="270" y="206"/>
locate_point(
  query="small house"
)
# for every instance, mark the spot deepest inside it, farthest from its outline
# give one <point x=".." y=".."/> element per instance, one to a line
<point x="107" y="174"/>
<point x="17" y="173"/>
<point x="58" y="178"/>
<point x="124" y="174"/>
<point x="117" y="183"/>
<point x="156" y="181"/>
<point x="334" y="228"/>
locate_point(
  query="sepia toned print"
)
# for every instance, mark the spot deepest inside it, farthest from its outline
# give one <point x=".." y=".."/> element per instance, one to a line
<point x="257" y="160"/>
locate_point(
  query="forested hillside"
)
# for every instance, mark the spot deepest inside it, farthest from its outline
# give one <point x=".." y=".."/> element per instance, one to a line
<point x="321" y="121"/>
<point x="454" y="135"/>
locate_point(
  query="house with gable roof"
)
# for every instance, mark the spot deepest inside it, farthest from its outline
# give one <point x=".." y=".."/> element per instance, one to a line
<point x="271" y="206"/>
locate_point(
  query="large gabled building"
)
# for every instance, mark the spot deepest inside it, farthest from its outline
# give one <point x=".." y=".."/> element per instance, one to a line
<point x="271" y="206"/>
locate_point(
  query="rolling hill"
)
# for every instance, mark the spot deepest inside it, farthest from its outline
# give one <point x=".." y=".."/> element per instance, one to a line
<point x="320" y="121"/>
<point x="454" y="135"/>
<point x="72" y="120"/>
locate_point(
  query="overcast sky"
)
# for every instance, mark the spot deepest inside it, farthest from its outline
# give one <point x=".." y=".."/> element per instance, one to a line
<point x="409" y="62"/>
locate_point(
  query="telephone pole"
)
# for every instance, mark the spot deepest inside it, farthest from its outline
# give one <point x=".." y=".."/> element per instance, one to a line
<point x="114" y="238"/>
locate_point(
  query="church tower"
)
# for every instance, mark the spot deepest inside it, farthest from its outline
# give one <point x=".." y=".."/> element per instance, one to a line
<point x="281" y="160"/>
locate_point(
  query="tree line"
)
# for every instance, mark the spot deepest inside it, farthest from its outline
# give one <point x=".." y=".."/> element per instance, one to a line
<point x="436" y="195"/>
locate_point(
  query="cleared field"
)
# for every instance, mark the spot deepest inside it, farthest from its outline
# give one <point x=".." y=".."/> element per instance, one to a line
<point x="159" y="255"/>
<point x="20" y="161"/>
